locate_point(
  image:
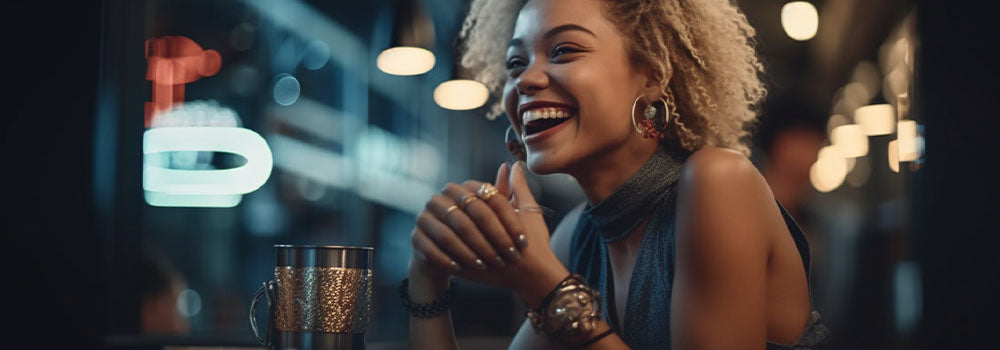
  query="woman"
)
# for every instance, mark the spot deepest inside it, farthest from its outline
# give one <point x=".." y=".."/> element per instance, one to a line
<point x="680" y="243"/>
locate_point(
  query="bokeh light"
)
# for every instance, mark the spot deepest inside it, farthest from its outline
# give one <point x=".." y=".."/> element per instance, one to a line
<point x="317" y="55"/>
<point x="866" y="73"/>
<point x="800" y="20"/>
<point x="894" y="156"/>
<point x="405" y="60"/>
<point x="286" y="90"/>
<point x="188" y="303"/>
<point x="876" y="119"/>
<point x="850" y="140"/>
<point x="461" y="94"/>
<point x="856" y="94"/>
<point x="829" y="171"/>
<point x="907" y="136"/>
<point x="835" y="121"/>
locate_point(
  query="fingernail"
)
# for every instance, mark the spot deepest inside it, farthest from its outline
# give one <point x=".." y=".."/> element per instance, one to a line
<point x="480" y="265"/>
<point x="522" y="241"/>
<point x="455" y="267"/>
<point x="500" y="262"/>
<point x="512" y="254"/>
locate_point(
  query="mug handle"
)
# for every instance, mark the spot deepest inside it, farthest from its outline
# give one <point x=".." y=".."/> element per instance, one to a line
<point x="267" y="289"/>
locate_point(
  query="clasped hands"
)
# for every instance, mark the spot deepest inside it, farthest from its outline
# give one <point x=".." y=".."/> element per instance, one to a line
<point x="497" y="237"/>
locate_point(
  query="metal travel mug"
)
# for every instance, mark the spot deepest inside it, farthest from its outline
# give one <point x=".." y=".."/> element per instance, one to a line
<point x="320" y="298"/>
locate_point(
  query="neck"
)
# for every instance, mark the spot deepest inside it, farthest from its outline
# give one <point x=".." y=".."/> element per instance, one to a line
<point x="601" y="175"/>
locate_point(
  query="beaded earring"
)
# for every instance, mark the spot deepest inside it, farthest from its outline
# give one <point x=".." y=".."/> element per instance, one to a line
<point x="650" y="127"/>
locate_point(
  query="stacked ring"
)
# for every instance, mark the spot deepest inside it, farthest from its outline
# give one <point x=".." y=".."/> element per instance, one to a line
<point x="465" y="199"/>
<point x="486" y="191"/>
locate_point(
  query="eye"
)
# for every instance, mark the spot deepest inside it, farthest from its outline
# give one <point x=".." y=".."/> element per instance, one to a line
<point x="559" y="50"/>
<point x="514" y="62"/>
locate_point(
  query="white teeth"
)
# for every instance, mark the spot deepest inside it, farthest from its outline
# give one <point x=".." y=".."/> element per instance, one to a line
<point x="544" y="113"/>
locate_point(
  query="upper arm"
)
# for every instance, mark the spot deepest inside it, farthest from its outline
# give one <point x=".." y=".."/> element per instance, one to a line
<point x="526" y="338"/>
<point x="718" y="299"/>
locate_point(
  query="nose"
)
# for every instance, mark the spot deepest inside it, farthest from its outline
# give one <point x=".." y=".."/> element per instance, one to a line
<point x="532" y="79"/>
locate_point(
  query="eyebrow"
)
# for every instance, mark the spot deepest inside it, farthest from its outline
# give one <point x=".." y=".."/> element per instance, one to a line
<point x="552" y="32"/>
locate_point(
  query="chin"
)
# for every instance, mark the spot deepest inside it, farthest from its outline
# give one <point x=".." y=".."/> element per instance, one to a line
<point x="544" y="163"/>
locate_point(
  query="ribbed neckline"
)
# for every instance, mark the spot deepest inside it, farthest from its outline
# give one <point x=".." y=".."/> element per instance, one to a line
<point x="633" y="201"/>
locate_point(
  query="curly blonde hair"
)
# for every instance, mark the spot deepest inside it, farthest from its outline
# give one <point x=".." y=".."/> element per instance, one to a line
<point x="703" y="52"/>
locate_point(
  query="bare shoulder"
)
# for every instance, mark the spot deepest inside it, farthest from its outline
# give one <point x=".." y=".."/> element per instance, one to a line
<point x="563" y="234"/>
<point x="713" y="172"/>
<point x="723" y="197"/>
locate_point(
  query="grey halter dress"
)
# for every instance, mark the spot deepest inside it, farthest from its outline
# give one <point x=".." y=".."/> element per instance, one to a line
<point x="650" y="190"/>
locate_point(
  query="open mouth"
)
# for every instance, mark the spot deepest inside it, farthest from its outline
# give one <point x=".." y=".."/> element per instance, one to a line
<point x="538" y="120"/>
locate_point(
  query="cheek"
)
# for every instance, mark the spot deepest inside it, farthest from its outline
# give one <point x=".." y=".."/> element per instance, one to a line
<point x="601" y="96"/>
<point x="510" y="100"/>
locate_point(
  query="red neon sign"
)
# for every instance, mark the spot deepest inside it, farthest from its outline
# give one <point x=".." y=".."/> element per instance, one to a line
<point x="174" y="61"/>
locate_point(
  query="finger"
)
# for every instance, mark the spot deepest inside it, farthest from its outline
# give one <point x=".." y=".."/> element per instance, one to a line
<point x="425" y="250"/>
<point x="509" y="227"/>
<point x="468" y="224"/>
<point x="519" y="185"/>
<point x="448" y="240"/>
<point x="503" y="180"/>
<point x="495" y="217"/>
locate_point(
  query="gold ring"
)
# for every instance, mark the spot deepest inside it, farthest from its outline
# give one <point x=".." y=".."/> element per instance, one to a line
<point x="534" y="209"/>
<point x="465" y="200"/>
<point x="487" y="191"/>
<point x="529" y="209"/>
<point x="448" y="211"/>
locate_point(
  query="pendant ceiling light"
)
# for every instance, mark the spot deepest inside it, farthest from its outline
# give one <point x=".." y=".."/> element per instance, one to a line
<point x="409" y="51"/>
<point x="462" y="92"/>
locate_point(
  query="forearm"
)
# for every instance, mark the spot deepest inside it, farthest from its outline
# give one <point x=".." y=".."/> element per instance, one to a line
<point x="430" y="333"/>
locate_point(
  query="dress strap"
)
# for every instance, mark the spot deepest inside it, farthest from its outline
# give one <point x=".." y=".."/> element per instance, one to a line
<point x="801" y="242"/>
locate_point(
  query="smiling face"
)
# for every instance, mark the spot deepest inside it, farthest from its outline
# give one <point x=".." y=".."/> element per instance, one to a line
<point x="570" y="85"/>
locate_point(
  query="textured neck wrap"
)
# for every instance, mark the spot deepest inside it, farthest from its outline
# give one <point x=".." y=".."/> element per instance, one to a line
<point x="616" y="216"/>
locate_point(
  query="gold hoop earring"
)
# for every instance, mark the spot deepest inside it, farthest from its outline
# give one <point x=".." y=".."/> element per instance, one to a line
<point x="649" y="127"/>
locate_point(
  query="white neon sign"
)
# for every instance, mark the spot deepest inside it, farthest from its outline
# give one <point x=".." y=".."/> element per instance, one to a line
<point x="211" y="188"/>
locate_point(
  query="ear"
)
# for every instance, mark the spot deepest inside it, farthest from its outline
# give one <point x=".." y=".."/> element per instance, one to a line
<point x="651" y="86"/>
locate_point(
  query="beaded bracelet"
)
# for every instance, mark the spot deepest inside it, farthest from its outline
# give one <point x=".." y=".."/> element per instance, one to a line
<point x="432" y="309"/>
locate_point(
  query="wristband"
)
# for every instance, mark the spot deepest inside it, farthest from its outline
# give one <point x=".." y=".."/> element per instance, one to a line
<point x="594" y="339"/>
<point x="435" y="308"/>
